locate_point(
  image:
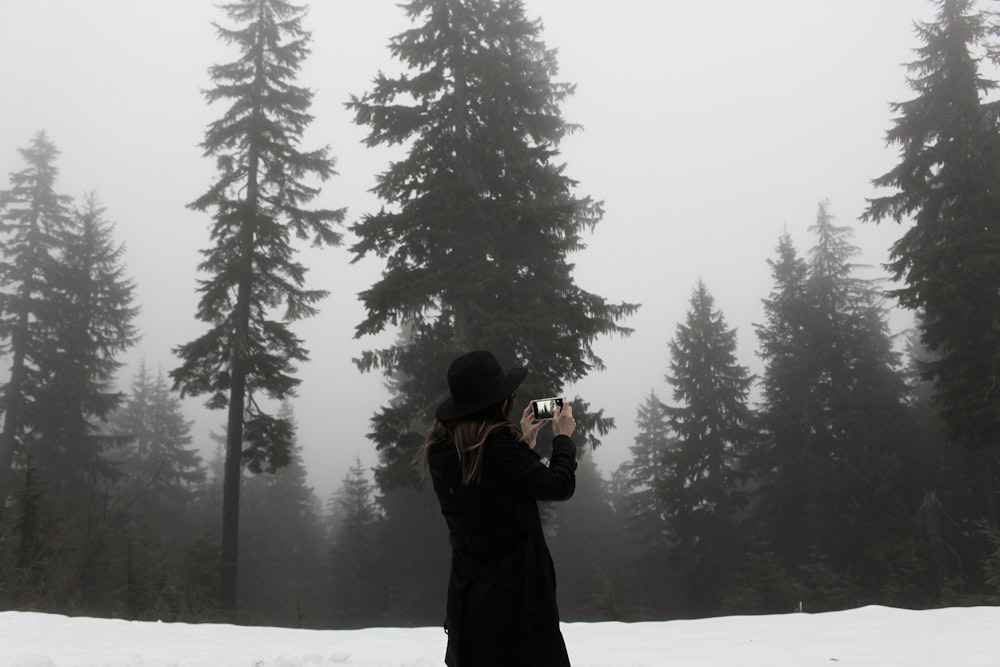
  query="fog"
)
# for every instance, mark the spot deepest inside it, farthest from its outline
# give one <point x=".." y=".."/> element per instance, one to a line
<point x="708" y="130"/>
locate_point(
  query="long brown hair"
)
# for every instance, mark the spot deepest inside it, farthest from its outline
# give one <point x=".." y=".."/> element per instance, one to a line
<point x="469" y="434"/>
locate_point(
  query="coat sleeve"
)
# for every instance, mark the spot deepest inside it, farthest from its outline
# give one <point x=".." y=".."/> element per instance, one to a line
<point x="517" y="462"/>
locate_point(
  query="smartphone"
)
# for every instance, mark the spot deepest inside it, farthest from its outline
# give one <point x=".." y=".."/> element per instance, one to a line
<point x="545" y="408"/>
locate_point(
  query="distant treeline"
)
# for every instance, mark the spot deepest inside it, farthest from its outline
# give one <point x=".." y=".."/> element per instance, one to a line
<point x="864" y="474"/>
<point x="838" y="490"/>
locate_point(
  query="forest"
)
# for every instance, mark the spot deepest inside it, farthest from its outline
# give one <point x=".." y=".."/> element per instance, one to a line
<point x="856" y="468"/>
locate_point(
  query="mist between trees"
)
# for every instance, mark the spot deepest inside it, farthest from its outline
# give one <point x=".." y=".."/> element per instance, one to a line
<point x="864" y="474"/>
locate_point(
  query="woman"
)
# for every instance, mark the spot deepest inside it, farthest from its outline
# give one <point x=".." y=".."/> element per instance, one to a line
<point x="501" y="606"/>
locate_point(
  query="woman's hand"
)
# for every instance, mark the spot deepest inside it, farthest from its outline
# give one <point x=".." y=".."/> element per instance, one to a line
<point x="531" y="426"/>
<point x="563" y="423"/>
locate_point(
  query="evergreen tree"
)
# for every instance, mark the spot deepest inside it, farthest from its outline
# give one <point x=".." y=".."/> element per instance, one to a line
<point x="643" y="477"/>
<point x="33" y="218"/>
<point x="704" y="471"/>
<point x="942" y="485"/>
<point x="585" y="542"/>
<point x="953" y="542"/>
<point x="863" y="432"/>
<point x="411" y="577"/>
<point x="356" y="592"/>
<point x="412" y="538"/>
<point x="68" y="313"/>
<point x="249" y="352"/>
<point x="162" y="474"/>
<point x="162" y="468"/>
<point x="201" y="564"/>
<point x="945" y="182"/>
<point x="833" y="504"/>
<point x="94" y="301"/>
<point x="480" y="217"/>
<point x="787" y="402"/>
<point x="282" y="553"/>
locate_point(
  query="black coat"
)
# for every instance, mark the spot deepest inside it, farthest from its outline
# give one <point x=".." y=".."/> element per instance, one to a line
<point x="502" y="592"/>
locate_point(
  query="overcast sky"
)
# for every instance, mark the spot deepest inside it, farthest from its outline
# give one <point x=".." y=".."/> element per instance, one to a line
<point x="708" y="129"/>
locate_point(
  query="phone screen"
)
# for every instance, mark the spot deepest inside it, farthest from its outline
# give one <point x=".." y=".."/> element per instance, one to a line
<point x="545" y="408"/>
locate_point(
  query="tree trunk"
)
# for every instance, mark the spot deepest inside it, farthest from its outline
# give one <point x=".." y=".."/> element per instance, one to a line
<point x="231" y="483"/>
<point x="233" y="466"/>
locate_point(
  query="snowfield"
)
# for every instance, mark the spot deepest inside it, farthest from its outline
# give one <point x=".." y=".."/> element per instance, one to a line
<point x="867" y="637"/>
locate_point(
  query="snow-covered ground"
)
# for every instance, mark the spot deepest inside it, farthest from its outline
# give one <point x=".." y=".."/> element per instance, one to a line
<point x="869" y="636"/>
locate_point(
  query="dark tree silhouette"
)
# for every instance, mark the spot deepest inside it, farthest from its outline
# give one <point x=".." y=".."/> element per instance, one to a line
<point x="946" y="183"/>
<point x="94" y="301"/>
<point x="480" y="218"/>
<point x="704" y="470"/>
<point x="33" y="218"/>
<point x="256" y="288"/>
<point x="836" y="428"/>
<point x="643" y="477"/>
<point x="357" y="595"/>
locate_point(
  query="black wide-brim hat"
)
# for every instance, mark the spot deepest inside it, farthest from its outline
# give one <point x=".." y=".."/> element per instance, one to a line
<point x="477" y="381"/>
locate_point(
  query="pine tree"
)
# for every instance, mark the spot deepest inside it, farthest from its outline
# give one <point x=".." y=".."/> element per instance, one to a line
<point x="356" y="596"/>
<point x="644" y="469"/>
<point x="642" y="478"/>
<point x="787" y="402"/>
<point x="585" y="539"/>
<point x="479" y="220"/>
<point x="856" y="340"/>
<point x="94" y="301"/>
<point x="67" y="313"/>
<point x="282" y="554"/>
<point x="704" y="471"/>
<point x="413" y="572"/>
<point x="944" y="488"/>
<point x="33" y="217"/>
<point x="249" y="353"/>
<point x="160" y="463"/>
<point x="945" y="182"/>
<point x="162" y="474"/>
<point x="201" y="563"/>
<point x="832" y="502"/>
<point x="865" y="433"/>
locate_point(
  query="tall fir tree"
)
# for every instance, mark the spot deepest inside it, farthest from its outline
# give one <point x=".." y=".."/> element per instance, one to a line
<point x="256" y="287"/>
<point x="95" y="301"/>
<point x="161" y="467"/>
<point x="202" y="563"/>
<point x="161" y="476"/>
<point x="705" y="472"/>
<point x="480" y="217"/>
<point x="357" y="595"/>
<point x="585" y="543"/>
<point x="786" y="387"/>
<point x="67" y="314"/>
<point x="33" y="220"/>
<point x="945" y="183"/>
<point x="93" y="297"/>
<point x="832" y="501"/>
<point x="647" y="586"/>
<point x="944" y="482"/>
<point x="283" y="554"/>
